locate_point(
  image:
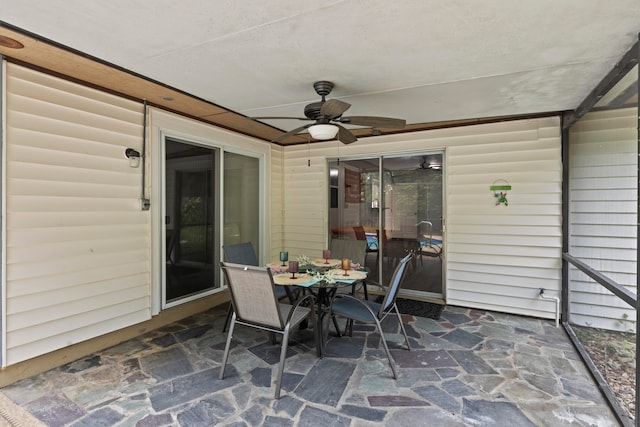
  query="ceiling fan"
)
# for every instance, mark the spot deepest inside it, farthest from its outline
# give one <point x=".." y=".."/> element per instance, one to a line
<point x="327" y="118"/>
<point x="425" y="163"/>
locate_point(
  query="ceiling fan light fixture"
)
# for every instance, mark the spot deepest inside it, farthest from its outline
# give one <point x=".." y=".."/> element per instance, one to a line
<point x="323" y="131"/>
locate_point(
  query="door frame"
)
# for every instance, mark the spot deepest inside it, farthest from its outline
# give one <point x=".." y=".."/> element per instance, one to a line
<point x="164" y="124"/>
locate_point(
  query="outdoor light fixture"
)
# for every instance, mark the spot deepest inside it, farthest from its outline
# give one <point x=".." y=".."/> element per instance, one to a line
<point x="323" y="132"/>
<point x="133" y="156"/>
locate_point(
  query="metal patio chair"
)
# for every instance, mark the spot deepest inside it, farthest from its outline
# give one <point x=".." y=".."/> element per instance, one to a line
<point x="356" y="251"/>
<point x="371" y="312"/>
<point x="243" y="253"/>
<point x="255" y="303"/>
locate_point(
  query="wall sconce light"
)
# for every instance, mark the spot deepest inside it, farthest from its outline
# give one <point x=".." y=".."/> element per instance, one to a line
<point x="133" y="156"/>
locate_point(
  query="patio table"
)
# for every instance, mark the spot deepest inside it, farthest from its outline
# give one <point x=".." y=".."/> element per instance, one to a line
<point x="322" y="290"/>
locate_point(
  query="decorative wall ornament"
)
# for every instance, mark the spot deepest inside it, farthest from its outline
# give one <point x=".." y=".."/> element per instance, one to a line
<point x="500" y="188"/>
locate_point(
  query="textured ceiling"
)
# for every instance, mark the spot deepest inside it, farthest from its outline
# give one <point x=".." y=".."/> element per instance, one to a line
<point x="422" y="60"/>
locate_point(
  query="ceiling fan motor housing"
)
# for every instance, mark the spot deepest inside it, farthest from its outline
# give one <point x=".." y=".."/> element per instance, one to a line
<point x="312" y="110"/>
<point x="322" y="88"/>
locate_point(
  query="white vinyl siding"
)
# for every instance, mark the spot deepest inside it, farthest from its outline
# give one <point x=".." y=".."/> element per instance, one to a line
<point x="500" y="256"/>
<point x="276" y="202"/>
<point x="603" y="214"/>
<point x="497" y="257"/>
<point x="77" y="243"/>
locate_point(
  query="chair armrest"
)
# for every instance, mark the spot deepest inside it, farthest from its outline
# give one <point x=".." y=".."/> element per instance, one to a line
<point x="298" y="303"/>
<point x="359" y="301"/>
<point x="368" y="282"/>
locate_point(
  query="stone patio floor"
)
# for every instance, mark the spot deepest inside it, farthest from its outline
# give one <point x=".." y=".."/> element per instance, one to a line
<point x="469" y="368"/>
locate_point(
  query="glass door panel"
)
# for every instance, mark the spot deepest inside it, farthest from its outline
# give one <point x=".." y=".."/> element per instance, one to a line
<point x="413" y="193"/>
<point x="190" y="222"/>
<point x="241" y="200"/>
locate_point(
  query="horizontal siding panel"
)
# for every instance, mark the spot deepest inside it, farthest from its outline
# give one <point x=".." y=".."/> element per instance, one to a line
<point x="489" y="280"/>
<point x="59" y="105"/>
<point x="33" y="84"/>
<point x="617" y="192"/>
<point x="625" y="168"/>
<point x="581" y="282"/>
<point x="607" y="119"/>
<point x="603" y="213"/>
<point x="594" y="138"/>
<point x="622" y="242"/>
<point x="506" y="270"/>
<point x="34" y="285"/>
<point x="514" y="304"/>
<point x="57" y="296"/>
<point x="52" y="312"/>
<point x="506" y="261"/>
<point x="111" y="246"/>
<point x="77" y="243"/>
<point x="82" y="158"/>
<point x="44" y="236"/>
<point x="474" y="239"/>
<point x="604" y="301"/>
<point x="603" y="254"/>
<point x="602" y="219"/>
<point x="605" y="206"/>
<point x="31" y="171"/>
<point x="79" y="333"/>
<point x="70" y="202"/>
<point x="610" y="266"/>
<point x="467" y="219"/>
<point x="51" y="266"/>
<point x="57" y="219"/>
<point x="507" y="230"/>
<point x="513" y="209"/>
<point x="49" y="128"/>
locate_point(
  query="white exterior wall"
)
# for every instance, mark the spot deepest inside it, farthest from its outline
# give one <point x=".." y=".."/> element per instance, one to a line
<point x="80" y="256"/>
<point x="77" y="258"/>
<point x="78" y="249"/>
<point x="603" y="182"/>
<point x="497" y="257"/>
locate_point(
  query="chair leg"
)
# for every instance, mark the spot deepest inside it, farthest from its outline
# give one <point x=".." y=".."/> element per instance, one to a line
<point x="283" y="356"/>
<point x="386" y="349"/>
<point x="335" y="325"/>
<point x="404" y="332"/>
<point x="316" y="334"/>
<point x="348" y="328"/>
<point x="226" y="321"/>
<point x="227" y="346"/>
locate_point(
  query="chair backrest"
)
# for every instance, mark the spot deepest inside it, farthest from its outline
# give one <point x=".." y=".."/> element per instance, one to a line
<point x="394" y="284"/>
<point x="241" y="253"/>
<point x="253" y="294"/>
<point x="360" y="233"/>
<point x="355" y="250"/>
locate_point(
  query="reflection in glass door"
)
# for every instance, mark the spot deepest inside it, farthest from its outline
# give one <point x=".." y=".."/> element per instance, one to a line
<point x="399" y="209"/>
<point x="413" y="196"/>
<point x="190" y="221"/>
<point x="242" y="200"/>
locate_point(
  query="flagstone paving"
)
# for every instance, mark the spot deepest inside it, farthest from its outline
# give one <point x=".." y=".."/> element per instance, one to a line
<point x="469" y="368"/>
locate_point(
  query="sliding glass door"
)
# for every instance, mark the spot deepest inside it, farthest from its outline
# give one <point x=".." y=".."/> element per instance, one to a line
<point x="396" y="205"/>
